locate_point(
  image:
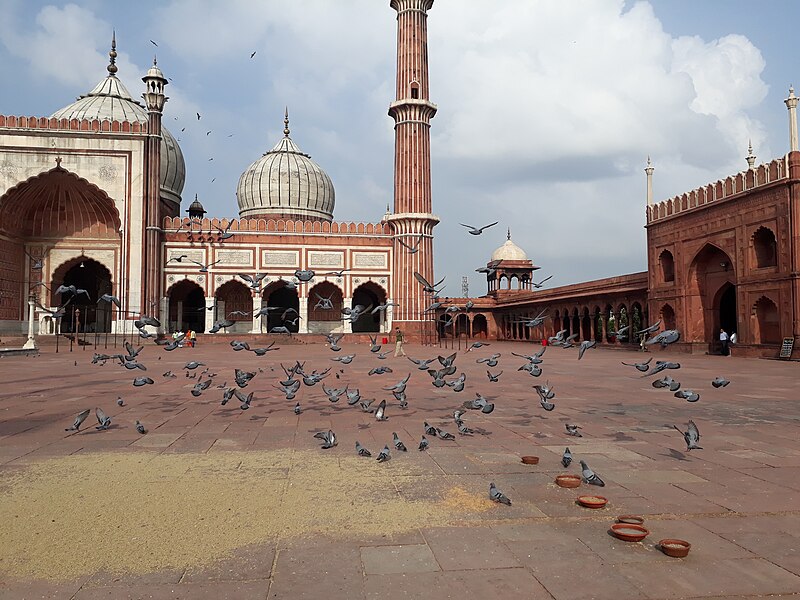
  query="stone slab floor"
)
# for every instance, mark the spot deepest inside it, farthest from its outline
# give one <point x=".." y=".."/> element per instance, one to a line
<point x="219" y="502"/>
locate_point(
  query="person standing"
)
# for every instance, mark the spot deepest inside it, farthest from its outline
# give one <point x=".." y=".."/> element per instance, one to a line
<point x="723" y="340"/>
<point x="398" y="343"/>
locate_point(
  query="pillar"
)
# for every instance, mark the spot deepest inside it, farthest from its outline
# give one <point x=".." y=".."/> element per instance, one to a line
<point x="30" y="343"/>
<point x="348" y="326"/>
<point x="179" y="318"/>
<point x="791" y="104"/>
<point x="649" y="170"/>
<point x="210" y="312"/>
<point x="256" y="328"/>
<point x="163" y="315"/>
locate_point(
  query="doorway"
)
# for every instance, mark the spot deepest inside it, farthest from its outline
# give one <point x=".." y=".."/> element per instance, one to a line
<point x="727" y="308"/>
<point x="83" y="312"/>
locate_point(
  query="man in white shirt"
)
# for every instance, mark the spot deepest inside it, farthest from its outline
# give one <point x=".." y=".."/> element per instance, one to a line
<point x="723" y="340"/>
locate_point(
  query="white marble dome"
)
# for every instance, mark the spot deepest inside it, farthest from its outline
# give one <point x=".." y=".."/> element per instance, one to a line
<point x="285" y="184"/>
<point x="509" y="251"/>
<point x="110" y="100"/>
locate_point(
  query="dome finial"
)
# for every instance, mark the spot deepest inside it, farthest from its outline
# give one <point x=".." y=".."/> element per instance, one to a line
<point x="508" y="235"/>
<point x="112" y="66"/>
<point x="286" y="122"/>
<point x="155" y="60"/>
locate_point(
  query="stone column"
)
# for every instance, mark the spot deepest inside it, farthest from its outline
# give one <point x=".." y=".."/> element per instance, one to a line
<point x="649" y="170"/>
<point x="179" y="318"/>
<point x="302" y="326"/>
<point x="30" y="344"/>
<point x="348" y="326"/>
<point x="210" y="304"/>
<point x="163" y="315"/>
<point x="791" y="104"/>
<point x="256" y="328"/>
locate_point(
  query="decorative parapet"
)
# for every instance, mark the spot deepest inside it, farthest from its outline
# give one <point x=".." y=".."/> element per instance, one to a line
<point x="746" y="181"/>
<point x="280" y="226"/>
<point x="51" y="124"/>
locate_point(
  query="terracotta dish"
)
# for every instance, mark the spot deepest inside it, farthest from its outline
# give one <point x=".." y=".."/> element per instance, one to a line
<point x="568" y="481"/>
<point x="631" y="519"/>
<point x="629" y="532"/>
<point x="530" y="460"/>
<point x="674" y="548"/>
<point x="593" y="502"/>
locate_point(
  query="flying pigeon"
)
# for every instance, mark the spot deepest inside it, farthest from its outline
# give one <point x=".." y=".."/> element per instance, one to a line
<point x="665" y="338"/>
<point x="365" y="405"/>
<point x="140" y="381"/>
<point x="493" y="378"/>
<point x="478" y="230"/>
<point x="361" y="450"/>
<point x="400" y="386"/>
<point x="476" y="345"/>
<point x="411" y="249"/>
<point x="458" y="384"/>
<point x="109" y="298"/>
<point x="329" y="439"/>
<point x="379" y="370"/>
<point x="590" y="476"/>
<point x="498" y="496"/>
<point x="566" y="459"/>
<point x="422" y="365"/>
<point x="76" y="426"/>
<point x="691" y="436"/>
<point x="585" y="345"/>
<point x="641" y="367"/>
<point x="380" y="414"/>
<point x="427" y="287"/>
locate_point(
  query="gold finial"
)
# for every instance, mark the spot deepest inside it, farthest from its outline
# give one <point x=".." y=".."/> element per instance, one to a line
<point x="112" y="67"/>
<point x="286" y="122"/>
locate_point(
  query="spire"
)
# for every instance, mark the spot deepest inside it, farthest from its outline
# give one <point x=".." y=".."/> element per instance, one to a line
<point x="649" y="170"/>
<point x="286" y="122"/>
<point x="112" y="66"/>
<point x="750" y="158"/>
<point x="791" y="104"/>
<point x="508" y="235"/>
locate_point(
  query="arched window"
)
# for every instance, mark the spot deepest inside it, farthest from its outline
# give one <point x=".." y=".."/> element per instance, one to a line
<point x="667" y="263"/>
<point x="765" y="247"/>
<point x="668" y="316"/>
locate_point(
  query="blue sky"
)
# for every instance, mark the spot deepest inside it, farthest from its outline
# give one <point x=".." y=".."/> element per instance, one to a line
<point x="547" y="110"/>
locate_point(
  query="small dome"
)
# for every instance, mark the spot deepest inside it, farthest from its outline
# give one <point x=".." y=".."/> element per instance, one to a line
<point x="509" y="251"/>
<point x="110" y="100"/>
<point x="196" y="209"/>
<point x="285" y="183"/>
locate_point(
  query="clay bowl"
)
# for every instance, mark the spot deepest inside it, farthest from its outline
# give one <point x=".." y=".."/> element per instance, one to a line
<point x="530" y="460"/>
<point x="631" y="519"/>
<point x="674" y="548"/>
<point x="629" y="532"/>
<point x="592" y="501"/>
<point x="568" y="481"/>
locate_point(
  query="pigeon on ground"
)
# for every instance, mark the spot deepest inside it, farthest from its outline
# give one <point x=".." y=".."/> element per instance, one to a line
<point x="429" y="429"/>
<point x="688" y="395"/>
<point x="193" y="365"/>
<point x="384" y="455"/>
<point x="120" y="401"/>
<point x="572" y="430"/>
<point x="365" y="405"/>
<point x="140" y="381"/>
<point x="353" y="396"/>
<point x="641" y="367"/>
<point x="328" y="438"/>
<point x="720" y="382"/>
<point x="380" y="414"/>
<point x="140" y="428"/>
<point x="297" y="409"/>
<point x="443" y="435"/>
<point x="361" y="450"/>
<point x="103" y="419"/>
<point x="477" y="230"/>
<point x="463" y="429"/>
<point x="398" y="444"/>
<point x="242" y="378"/>
<point x="585" y="345"/>
<point x="76" y="426"/>
<point x="493" y="378"/>
<point x="691" y="436"/>
<point x="590" y="476"/>
<point x="566" y="458"/>
<point x="497" y="495"/>
<point x="200" y="387"/>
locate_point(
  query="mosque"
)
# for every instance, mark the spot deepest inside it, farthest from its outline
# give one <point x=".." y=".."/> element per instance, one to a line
<point x="91" y="197"/>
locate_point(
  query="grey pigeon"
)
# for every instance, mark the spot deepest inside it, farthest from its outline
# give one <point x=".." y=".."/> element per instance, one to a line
<point x="227" y="395"/>
<point x="384" y="455"/>
<point x="379" y="371"/>
<point x="193" y="365"/>
<point x="447" y="361"/>
<point x="720" y="382"/>
<point x="458" y="384"/>
<point x="691" y="436"/>
<point x="480" y="403"/>
<point x="491" y="361"/>
<point x="572" y="430"/>
<point x="422" y="365"/>
<point x="140" y="381"/>
<point x="200" y="387"/>
<point x="665" y="338"/>
<point x="429" y="429"/>
<point x="476" y="345"/>
<point x="120" y="401"/>
<point x="380" y="414"/>
<point x="353" y="397"/>
<point x="661" y="365"/>
<point x="345" y="360"/>
<point x="443" y="435"/>
<point x="426" y="286"/>
<point x="280" y="329"/>
<point x="76" y="426"/>
<point x="641" y="367"/>
<point x="304" y="275"/>
<point x="140" y="428"/>
<point x="328" y="438"/>
<point x="585" y="345"/>
<point x="566" y="458"/>
<point x="688" y="395"/>
<point x="534" y="358"/>
<point x="463" y="429"/>
<point x="400" y="386"/>
<point x="297" y="409"/>
<point x="103" y="419"/>
<point x="438" y="378"/>
<point x="493" y="378"/>
<point x="423" y="443"/>
<point x="398" y="444"/>
<point x="374" y="345"/>
<point x="497" y="495"/>
<point x="245" y="400"/>
<point x="590" y="476"/>
<point x="365" y="405"/>
<point x="361" y="450"/>
<point x="477" y="230"/>
<point x="109" y="298"/>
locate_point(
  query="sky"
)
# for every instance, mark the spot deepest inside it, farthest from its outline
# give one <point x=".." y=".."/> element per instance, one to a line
<point x="547" y="109"/>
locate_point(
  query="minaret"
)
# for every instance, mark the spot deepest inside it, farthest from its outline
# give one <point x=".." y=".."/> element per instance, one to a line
<point x="791" y="104"/>
<point x="649" y="170"/>
<point x="412" y="220"/>
<point x="154" y="100"/>
<point x="750" y="158"/>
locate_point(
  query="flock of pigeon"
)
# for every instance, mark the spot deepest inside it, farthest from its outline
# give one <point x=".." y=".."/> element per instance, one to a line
<point x="299" y="375"/>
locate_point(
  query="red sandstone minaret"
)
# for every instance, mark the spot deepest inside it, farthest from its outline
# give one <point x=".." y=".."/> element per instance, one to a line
<point x="412" y="220"/>
<point x="151" y="282"/>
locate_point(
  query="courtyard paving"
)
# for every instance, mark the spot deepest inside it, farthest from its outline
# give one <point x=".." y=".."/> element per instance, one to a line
<point x="218" y="502"/>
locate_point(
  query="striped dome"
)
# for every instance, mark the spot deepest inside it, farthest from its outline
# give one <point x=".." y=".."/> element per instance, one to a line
<point x="285" y="184"/>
